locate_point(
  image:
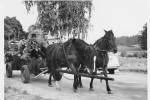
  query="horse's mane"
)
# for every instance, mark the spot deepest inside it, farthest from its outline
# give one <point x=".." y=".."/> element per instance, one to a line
<point x="107" y="34"/>
<point x="97" y="41"/>
<point x="76" y="40"/>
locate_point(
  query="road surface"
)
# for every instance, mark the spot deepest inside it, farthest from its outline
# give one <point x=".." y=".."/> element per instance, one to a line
<point x="127" y="86"/>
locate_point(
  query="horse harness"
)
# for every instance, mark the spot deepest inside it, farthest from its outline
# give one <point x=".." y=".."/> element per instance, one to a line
<point x="68" y="57"/>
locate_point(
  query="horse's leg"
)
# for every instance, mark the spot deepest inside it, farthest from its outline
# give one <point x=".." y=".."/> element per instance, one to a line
<point x="81" y="71"/>
<point x="107" y="84"/>
<point x="80" y="82"/>
<point x="57" y="85"/>
<point x="91" y="85"/>
<point x="56" y="78"/>
<point x="75" y="84"/>
<point x="49" y="81"/>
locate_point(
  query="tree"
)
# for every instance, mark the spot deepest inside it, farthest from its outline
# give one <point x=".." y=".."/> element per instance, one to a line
<point x="143" y="37"/>
<point x="12" y="28"/>
<point x="31" y="28"/>
<point x="8" y="30"/>
<point x="127" y="40"/>
<point x="63" y="17"/>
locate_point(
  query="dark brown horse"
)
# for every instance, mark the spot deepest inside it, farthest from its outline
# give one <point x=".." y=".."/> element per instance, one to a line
<point x="69" y="54"/>
<point x="103" y="46"/>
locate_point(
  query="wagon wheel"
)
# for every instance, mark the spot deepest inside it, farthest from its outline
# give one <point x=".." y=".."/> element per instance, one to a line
<point x="57" y="76"/>
<point x="25" y="74"/>
<point x="9" y="70"/>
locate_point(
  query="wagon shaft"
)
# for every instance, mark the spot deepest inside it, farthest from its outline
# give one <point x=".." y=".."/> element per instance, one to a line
<point x="41" y="73"/>
<point x="86" y="75"/>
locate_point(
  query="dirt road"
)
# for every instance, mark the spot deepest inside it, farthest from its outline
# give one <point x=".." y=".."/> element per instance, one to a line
<point x="127" y="86"/>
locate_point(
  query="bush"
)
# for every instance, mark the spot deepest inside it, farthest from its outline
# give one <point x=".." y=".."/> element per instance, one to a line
<point x="123" y="54"/>
<point x="140" y="54"/>
<point x="144" y="55"/>
<point x="130" y="55"/>
<point x="137" y="54"/>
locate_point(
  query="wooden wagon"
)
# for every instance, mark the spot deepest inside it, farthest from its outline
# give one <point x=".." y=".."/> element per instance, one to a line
<point x="27" y="66"/>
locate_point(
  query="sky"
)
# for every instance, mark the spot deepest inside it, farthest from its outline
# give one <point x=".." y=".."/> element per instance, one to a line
<point x="124" y="17"/>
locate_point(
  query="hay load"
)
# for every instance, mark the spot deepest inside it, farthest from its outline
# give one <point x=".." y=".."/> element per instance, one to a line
<point x="38" y="37"/>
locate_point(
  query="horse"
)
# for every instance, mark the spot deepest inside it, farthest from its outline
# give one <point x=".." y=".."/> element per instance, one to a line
<point x="103" y="45"/>
<point x="69" y="54"/>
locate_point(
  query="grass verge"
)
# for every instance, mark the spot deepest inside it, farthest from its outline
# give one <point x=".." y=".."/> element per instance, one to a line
<point x="133" y="64"/>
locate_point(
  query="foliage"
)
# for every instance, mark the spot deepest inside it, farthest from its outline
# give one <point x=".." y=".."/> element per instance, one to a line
<point x="127" y="40"/>
<point x="143" y="37"/>
<point x="61" y="17"/>
<point x="6" y="46"/>
<point x="12" y="28"/>
<point x="123" y="54"/>
<point x="40" y="35"/>
<point x="133" y="40"/>
<point x="136" y="54"/>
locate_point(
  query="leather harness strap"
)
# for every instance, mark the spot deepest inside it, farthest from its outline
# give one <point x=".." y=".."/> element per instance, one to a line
<point x="66" y="57"/>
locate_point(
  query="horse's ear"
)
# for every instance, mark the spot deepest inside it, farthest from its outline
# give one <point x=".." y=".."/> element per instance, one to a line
<point x="105" y="31"/>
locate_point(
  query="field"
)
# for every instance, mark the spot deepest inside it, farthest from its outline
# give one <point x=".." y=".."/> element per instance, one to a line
<point x="131" y="59"/>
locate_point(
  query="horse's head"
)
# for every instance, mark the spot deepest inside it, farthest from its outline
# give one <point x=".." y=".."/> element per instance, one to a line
<point x="109" y="39"/>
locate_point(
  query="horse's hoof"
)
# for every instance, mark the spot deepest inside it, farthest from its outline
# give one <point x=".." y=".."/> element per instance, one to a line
<point x="91" y="89"/>
<point x="109" y="92"/>
<point x="50" y="85"/>
<point x="75" y="90"/>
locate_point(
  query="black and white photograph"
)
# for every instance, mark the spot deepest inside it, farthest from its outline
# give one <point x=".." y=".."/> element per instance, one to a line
<point x="74" y="50"/>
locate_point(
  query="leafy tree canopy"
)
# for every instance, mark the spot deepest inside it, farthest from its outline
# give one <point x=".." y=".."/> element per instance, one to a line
<point x="143" y="37"/>
<point x="12" y="28"/>
<point x="127" y="40"/>
<point x="61" y="17"/>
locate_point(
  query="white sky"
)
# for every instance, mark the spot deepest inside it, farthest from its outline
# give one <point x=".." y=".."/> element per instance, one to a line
<point x="124" y="17"/>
